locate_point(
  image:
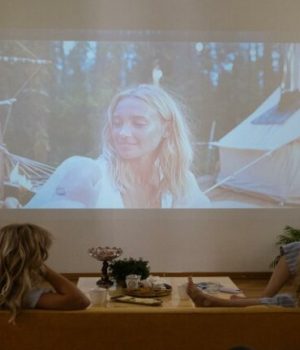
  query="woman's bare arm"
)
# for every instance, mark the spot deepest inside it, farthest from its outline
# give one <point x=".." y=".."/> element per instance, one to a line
<point x="66" y="297"/>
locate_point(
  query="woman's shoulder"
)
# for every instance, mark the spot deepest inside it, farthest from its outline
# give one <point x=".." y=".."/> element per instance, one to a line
<point x="79" y="161"/>
<point x="72" y="185"/>
<point x="194" y="196"/>
<point x="291" y="251"/>
<point x="293" y="247"/>
<point x="79" y="166"/>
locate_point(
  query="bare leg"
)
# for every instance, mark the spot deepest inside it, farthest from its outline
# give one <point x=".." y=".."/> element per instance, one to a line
<point x="279" y="277"/>
<point x="202" y="299"/>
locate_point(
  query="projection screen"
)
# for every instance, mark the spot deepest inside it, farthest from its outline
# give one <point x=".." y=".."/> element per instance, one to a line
<point x="149" y="119"/>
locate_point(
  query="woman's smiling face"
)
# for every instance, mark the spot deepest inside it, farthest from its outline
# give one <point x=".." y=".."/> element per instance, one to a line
<point x="136" y="129"/>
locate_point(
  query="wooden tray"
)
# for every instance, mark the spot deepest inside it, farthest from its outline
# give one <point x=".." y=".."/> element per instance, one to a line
<point x="150" y="293"/>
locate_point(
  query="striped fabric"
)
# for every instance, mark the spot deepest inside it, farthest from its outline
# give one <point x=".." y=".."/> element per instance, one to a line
<point x="291" y="252"/>
<point x="285" y="300"/>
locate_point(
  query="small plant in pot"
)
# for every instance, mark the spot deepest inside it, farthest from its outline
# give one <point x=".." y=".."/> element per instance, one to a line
<point x="120" y="268"/>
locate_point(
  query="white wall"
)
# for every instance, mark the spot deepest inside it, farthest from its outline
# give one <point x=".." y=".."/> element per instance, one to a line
<point x="220" y="240"/>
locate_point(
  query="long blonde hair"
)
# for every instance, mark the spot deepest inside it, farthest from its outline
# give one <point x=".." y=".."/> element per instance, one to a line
<point x="175" y="154"/>
<point x="23" y="249"/>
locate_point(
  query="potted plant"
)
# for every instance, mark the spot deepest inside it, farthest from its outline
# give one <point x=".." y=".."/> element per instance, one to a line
<point x="120" y="268"/>
<point x="289" y="235"/>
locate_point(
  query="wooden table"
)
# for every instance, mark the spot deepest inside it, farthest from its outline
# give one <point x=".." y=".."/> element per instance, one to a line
<point x="170" y="301"/>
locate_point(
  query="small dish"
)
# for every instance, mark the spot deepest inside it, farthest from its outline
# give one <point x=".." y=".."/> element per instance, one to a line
<point x="136" y="300"/>
<point x="145" y="292"/>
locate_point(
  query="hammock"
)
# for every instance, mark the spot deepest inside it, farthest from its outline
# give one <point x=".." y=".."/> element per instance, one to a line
<point x="23" y="172"/>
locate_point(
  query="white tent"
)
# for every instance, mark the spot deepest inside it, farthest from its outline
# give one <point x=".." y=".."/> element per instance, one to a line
<point x="263" y="159"/>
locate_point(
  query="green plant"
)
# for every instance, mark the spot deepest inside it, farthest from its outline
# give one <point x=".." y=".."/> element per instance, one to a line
<point x="120" y="268"/>
<point x="289" y="235"/>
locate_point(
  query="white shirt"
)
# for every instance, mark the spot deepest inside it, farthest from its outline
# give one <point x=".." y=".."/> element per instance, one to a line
<point x="81" y="182"/>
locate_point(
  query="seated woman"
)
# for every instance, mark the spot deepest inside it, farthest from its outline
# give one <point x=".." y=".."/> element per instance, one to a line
<point x="145" y="162"/>
<point x="287" y="267"/>
<point x="23" y="251"/>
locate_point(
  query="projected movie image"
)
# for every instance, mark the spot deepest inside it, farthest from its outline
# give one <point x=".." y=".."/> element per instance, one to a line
<point x="149" y="124"/>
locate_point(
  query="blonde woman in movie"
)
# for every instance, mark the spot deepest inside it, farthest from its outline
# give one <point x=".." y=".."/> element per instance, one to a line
<point x="145" y="161"/>
<point x="23" y="273"/>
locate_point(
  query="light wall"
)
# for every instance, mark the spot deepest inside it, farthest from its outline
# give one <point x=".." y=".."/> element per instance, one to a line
<point x="172" y="240"/>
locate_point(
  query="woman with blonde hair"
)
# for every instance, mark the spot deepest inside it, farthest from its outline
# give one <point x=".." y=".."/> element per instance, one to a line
<point x="145" y="161"/>
<point x="23" y="251"/>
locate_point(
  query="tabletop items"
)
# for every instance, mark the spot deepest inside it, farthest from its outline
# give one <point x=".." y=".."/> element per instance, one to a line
<point x="120" y="269"/>
<point x="105" y="254"/>
<point x="212" y="287"/>
<point x="138" y="300"/>
<point x="136" y="282"/>
<point x="153" y="286"/>
<point x="171" y="291"/>
<point x="98" y="296"/>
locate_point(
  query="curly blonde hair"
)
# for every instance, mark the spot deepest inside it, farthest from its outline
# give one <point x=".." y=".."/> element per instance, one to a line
<point x="175" y="153"/>
<point x="23" y="249"/>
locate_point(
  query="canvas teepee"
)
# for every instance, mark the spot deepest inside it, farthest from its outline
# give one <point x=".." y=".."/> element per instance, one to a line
<point x="261" y="156"/>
